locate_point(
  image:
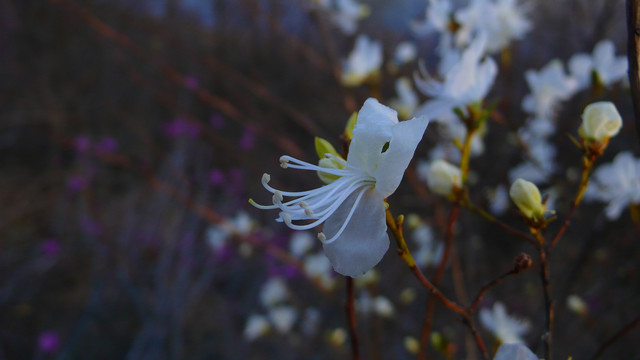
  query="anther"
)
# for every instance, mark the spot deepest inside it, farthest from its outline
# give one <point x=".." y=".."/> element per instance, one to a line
<point x="286" y="218"/>
<point x="321" y="236"/>
<point x="266" y="178"/>
<point x="305" y="206"/>
<point x="284" y="162"/>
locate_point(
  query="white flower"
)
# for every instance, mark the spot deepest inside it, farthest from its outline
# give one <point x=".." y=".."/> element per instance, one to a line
<point x="405" y="52"/>
<point x="345" y="14"/>
<point x="499" y="200"/>
<point x="549" y="86"/>
<point x="257" y="326"/>
<point x="504" y="327"/>
<point x="218" y="235"/>
<point x="502" y="21"/>
<point x="383" y="307"/>
<point x="364" y="61"/>
<point x="603" y="62"/>
<point x="407" y="99"/>
<point x="428" y="252"/>
<point x="617" y="183"/>
<point x="526" y="196"/>
<point x="352" y="209"/>
<point x="514" y="352"/>
<point x="466" y="82"/>
<point x="437" y="18"/>
<point x="283" y="318"/>
<point x="318" y="266"/>
<point x="540" y="165"/>
<point x="274" y="291"/>
<point x="301" y="242"/>
<point x="443" y="177"/>
<point x="600" y="121"/>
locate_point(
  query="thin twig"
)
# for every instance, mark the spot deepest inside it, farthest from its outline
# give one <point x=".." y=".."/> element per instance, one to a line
<point x="351" y="319"/>
<point x="488" y="286"/>
<point x="616" y="337"/>
<point x="548" y="302"/>
<point x="428" y="317"/>
<point x="633" y="53"/>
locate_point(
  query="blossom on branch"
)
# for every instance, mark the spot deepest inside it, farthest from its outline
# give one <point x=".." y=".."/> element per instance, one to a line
<point x="352" y="207"/>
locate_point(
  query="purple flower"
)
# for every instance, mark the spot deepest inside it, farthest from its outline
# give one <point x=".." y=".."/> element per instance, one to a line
<point x="247" y="139"/>
<point x="48" y="342"/>
<point x="181" y="127"/>
<point x="106" y="145"/>
<point x="216" y="177"/>
<point x="81" y="143"/>
<point x="50" y="247"/>
<point x="76" y="183"/>
<point x="216" y="121"/>
<point x="191" y="82"/>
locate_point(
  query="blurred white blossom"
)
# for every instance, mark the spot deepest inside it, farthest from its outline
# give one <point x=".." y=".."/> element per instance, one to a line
<point x="405" y="52"/>
<point x="514" y="352"/>
<point x="283" y="318"/>
<point x="301" y="242"/>
<point x="257" y="326"/>
<point x="602" y="63"/>
<point x="549" y="86"/>
<point x="274" y="291"/>
<point x="428" y="252"/>
<point x="617" y="183"/>
<point x="363" y="62"/>
<point x="407" y="99"/>
<point x="344" y="14"/>
<point x="505" y="328"/>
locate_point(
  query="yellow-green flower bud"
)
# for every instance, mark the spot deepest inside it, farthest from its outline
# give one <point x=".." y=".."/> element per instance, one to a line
<point x="324" y="147"/>
<point x="443" y="178"/>
<point x="600" y="121"/>
<point x="351" y="124"/>
<point x="527" y="197"/>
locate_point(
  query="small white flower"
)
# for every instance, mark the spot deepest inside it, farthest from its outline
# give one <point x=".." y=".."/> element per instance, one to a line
<point x="505" y="328"/>
<point x="274" y="291"/>
<point x="443" y="177"/>
<point x="216" y="238"/>
<point x="364" y="61"/>
<point x="577" y="305"/>
<point x="466" y="82"/>
<point x="428" y="252"/>
<point x="514" y="352"/>
<point x="257" y="326"/>
<point x="352" y="207"/>
<point x="617" y="183"/>
<point x="600" y="121"/>
<point x="549" y="86"/>
<point x="383" y="307"/>
<point x="345" y="14"/>
<point x="407" y="99"/>
<point x="301" y="242"/>
<point x="318" y="266"/>
<point x="405" y="52"/>
<point x="437" y="18"/>
<point x="283" y="318"/>
<point x="603" y="62"/>
<point x="499" y="200"/>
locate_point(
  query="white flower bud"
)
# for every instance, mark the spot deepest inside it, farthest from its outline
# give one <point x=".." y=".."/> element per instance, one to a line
<point x="527" y="197"/>
<point x="600" y="121"/>
<point x="443" y="177"/>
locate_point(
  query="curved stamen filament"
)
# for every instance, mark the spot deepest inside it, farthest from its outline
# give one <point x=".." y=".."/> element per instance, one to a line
<point x="346" y="222"/>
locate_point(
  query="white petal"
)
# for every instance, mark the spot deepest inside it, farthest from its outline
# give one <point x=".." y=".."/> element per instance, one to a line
<point x="364" y="241"/>
<point x="514" y="352"/>
<point x="372" y="131"/>
<point x="394" y="161"/>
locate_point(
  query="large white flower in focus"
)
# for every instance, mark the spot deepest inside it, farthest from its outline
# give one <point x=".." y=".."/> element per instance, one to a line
<point x="466" y="82"/>
<point x="354" y="235"/>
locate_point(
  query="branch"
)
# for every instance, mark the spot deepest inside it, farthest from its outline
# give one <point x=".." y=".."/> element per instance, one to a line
<point x="633" y="52"/>
<point x="351" y="319"/>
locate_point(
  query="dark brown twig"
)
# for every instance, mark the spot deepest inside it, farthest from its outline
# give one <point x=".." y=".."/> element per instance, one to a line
<point x="633" y="52"/>
<point x="351" y="319"/>
<point x="616" y="337"/>
<point x="548" y="302"/>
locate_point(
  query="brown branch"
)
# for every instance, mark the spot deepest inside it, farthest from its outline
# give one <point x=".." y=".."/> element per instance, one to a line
<point x="548" y="302"/>
<point x="349" y="306"/>
<point x="633" y="53"/>
<point x="428" y="317"/>
<point x="616" y="337"/>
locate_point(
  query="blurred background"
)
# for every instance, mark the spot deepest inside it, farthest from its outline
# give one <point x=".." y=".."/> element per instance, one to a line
<point x="132" y="133"/>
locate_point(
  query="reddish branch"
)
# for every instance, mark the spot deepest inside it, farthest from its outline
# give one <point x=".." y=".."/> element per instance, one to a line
<point x="351" y="319"/>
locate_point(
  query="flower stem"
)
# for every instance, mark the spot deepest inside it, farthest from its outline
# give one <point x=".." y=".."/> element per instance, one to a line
<point x="351" y="319"/>
<point x="587" y="164"/>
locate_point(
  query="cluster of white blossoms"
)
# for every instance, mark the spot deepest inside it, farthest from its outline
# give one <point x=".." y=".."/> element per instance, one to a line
<point x="503" y="21"/>
<point x="465" y="83"/>
<point x="505" y="328"/>
<point x="344" y="14"/>
<point x="549" y="88"/>
<point x="352" y="207"/>
<point x="217" y="236"/>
